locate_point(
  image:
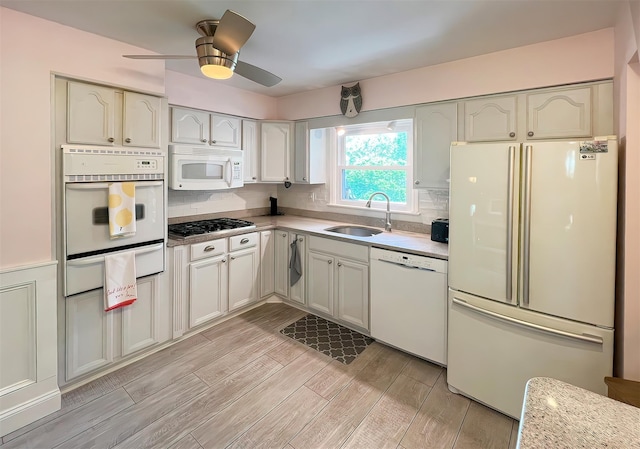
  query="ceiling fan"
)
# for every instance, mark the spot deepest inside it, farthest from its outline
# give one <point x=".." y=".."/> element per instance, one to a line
<point x="219" y="47"/>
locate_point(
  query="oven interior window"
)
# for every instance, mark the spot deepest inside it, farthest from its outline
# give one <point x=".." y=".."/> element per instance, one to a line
<point x="101" y="214"/>
<point x="202" y="170"/>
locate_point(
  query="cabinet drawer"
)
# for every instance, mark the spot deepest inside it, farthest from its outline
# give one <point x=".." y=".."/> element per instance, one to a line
<point x="339" y="248"/>
<point x="243" y="241"/>
<point x="208" y="249"/>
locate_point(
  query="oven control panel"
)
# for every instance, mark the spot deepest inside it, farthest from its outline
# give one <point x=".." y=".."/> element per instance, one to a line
<point x="146" y="164"/>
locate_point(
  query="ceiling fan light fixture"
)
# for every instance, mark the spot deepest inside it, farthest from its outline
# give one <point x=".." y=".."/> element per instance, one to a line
<point x="213" y="62"/>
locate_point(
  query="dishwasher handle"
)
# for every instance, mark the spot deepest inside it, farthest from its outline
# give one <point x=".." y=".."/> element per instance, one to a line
<point x="410" y="267"/>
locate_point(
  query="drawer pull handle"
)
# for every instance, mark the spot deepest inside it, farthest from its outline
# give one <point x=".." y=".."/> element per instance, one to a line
<point x="243" y="241"/>
<point x="209" y="248"/>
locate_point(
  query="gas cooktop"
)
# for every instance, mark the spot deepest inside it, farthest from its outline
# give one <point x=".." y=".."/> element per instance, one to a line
<point x="215" y="225"/>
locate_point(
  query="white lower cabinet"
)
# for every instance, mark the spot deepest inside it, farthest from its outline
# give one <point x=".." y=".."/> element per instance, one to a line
<point x="283" y="241"/>
<point x="207" y="289"/>
<point x="95" y="338"/>
<point x="243" y="276"/>
<point x="297" y="291"/>
<point x="338" y="280"/>
<point x="267" y="263"/>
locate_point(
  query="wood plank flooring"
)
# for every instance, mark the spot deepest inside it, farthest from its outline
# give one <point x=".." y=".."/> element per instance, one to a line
<point x="242" y="384"/>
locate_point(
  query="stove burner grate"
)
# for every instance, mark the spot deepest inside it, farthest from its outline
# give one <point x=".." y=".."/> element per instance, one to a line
<point x="208" y="226"/>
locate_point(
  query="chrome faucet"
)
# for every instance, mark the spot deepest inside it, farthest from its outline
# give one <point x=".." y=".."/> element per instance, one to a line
<point x="387" y="225"/>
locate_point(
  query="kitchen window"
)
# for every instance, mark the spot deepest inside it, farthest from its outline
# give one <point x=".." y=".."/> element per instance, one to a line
<point x="375" y="157"/>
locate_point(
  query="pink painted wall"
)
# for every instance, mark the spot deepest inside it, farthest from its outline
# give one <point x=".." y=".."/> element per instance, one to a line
<point x="584" y="57"/>
<point x="32" y="49"/>
<point x="203" y="93"/>
<point x="627" y="123"/>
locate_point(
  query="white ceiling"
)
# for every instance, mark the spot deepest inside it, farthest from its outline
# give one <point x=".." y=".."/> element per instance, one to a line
<point x="318" y="43"/>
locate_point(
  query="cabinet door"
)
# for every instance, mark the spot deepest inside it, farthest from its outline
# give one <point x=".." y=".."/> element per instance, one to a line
<point x="320" y="282"/>
<point x="91" y="114"/>
<point x="353" y="293"/>
<point x="189" y="126"/>
<point x="559" y="114"/>
<point x="208" y="295"/>
<point x="490" y="119"/>
<point x="275" y="146"/>
<point x="141" y="120"/>
<point x="267" y="263"/>
<point x="89" y="333"/>
<point x="297" y="291"/>
<point x="301" y="152"/>
<point x="243" y="277"/>
<point x="250" y="150"/>
<point x="226" y="132"/>
<point x="436" y="127"/>
<point x="309" y="154"/>
<point x="281" y="266"/>
<point x="140" y="319"/>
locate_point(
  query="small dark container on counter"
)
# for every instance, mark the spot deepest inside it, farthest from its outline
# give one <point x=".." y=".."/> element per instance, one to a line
<point x="274" y="205"/>
<point x="440" y="230"/>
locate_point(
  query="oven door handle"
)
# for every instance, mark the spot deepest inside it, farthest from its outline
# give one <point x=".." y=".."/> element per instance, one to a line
<point x="105" y="185"/>
<point x="100" y="258"/>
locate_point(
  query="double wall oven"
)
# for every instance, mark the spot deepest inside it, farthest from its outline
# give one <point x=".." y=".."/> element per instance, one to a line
<point x="87" y="173"/>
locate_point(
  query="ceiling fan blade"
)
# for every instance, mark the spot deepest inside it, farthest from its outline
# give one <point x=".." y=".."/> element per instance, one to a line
<point x="257" y="74"/>
<point x="232" y="32"/>
<point x="159" y="57"/>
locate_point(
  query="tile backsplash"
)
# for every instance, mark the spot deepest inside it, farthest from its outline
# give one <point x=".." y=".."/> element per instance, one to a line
<point x="183" y="203"/>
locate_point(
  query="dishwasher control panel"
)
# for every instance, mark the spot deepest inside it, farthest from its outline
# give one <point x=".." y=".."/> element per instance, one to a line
<point x="410" y="260"/>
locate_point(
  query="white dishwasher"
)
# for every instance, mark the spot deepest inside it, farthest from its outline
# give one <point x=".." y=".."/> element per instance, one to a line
<point x="409" y="303"/>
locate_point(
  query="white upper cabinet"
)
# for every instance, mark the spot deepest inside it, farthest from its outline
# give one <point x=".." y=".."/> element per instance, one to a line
<point x="490" y="119"/>
<point x="562" y="113"/>
<point x="141" y="124"/>
<point x="189" y="126"/>
<point x="98" y="115"/>
<point x="436" y="126"/>
<point x="196" y="127"/>
<point x="226" y="132"/>
<point x="250" y="150"/>
<point x="310" y="154"/>
<point x="275" y="148"/>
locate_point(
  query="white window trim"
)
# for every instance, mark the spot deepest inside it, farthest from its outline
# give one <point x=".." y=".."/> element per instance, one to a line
<point x="411" y="207"/>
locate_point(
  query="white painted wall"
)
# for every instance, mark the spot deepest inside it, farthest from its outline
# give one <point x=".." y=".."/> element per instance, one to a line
<point x="627" y="123"/>
<point x="584" y="57"/>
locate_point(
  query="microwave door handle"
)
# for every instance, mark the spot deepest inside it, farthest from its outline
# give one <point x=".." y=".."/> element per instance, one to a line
<point x="227" y="169"/>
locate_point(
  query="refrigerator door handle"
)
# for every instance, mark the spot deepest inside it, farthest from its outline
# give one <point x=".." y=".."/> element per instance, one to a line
<point x="526" y="224"/>
<point x="512" y="157"/>
<point x="516" y="321"/>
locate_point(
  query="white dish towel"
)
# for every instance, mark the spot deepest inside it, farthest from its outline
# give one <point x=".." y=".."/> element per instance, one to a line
<point x="122" y="209"/>
<point x="120" y="288"/>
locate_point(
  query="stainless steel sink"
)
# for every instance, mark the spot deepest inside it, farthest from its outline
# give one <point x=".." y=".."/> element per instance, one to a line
<point x="359" y="231"/>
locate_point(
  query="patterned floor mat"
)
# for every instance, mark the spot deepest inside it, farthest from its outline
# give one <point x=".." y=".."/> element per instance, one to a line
<point x="338" y="342"/>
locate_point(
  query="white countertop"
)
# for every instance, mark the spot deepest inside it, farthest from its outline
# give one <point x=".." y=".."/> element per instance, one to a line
<point x="559" y="415"/>
<point x="410" y="242"/>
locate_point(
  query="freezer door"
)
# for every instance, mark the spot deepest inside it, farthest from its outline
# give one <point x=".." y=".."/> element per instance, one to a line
<point x="569" y="231"/>
<point x="482" y="220"/>
<point x="494" y="349"/>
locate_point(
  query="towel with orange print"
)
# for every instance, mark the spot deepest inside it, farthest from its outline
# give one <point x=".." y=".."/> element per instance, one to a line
<point x="122" y="209"/>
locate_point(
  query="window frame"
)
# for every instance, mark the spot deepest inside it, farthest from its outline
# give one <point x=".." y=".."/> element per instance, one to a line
<point x="378" y="202"/>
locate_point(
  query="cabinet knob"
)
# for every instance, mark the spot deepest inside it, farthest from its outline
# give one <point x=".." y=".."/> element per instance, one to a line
<point x="329" y="262"/>
<point x="284" y="234"/>
<point x="304" y="178"/>
<point x="512" y="134"/>
<point x="203" y="140"/>
<point x="339" y="264"/>
<point x="111" y="139"/>
<point x="530" y="134"/>
<point x="254" y="178"/>
<point x="232" y="258"/>
<point x="223" y="260"/>
<point x="127" y="140"/>
<point x="286" y="179"/>
<point x="209" y="248"/>
<point x="300" y="239"/>
<point x="416" y="182"/>
<point x="213" y="142"/>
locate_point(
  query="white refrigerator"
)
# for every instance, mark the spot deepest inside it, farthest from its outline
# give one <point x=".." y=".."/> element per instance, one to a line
<point x="532" y="255"/>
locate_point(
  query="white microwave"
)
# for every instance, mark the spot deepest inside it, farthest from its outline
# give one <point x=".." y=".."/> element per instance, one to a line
<point x="196" y="168"/>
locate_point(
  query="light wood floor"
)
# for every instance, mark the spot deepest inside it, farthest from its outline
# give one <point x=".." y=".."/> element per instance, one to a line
<point x="241" y="384"/>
